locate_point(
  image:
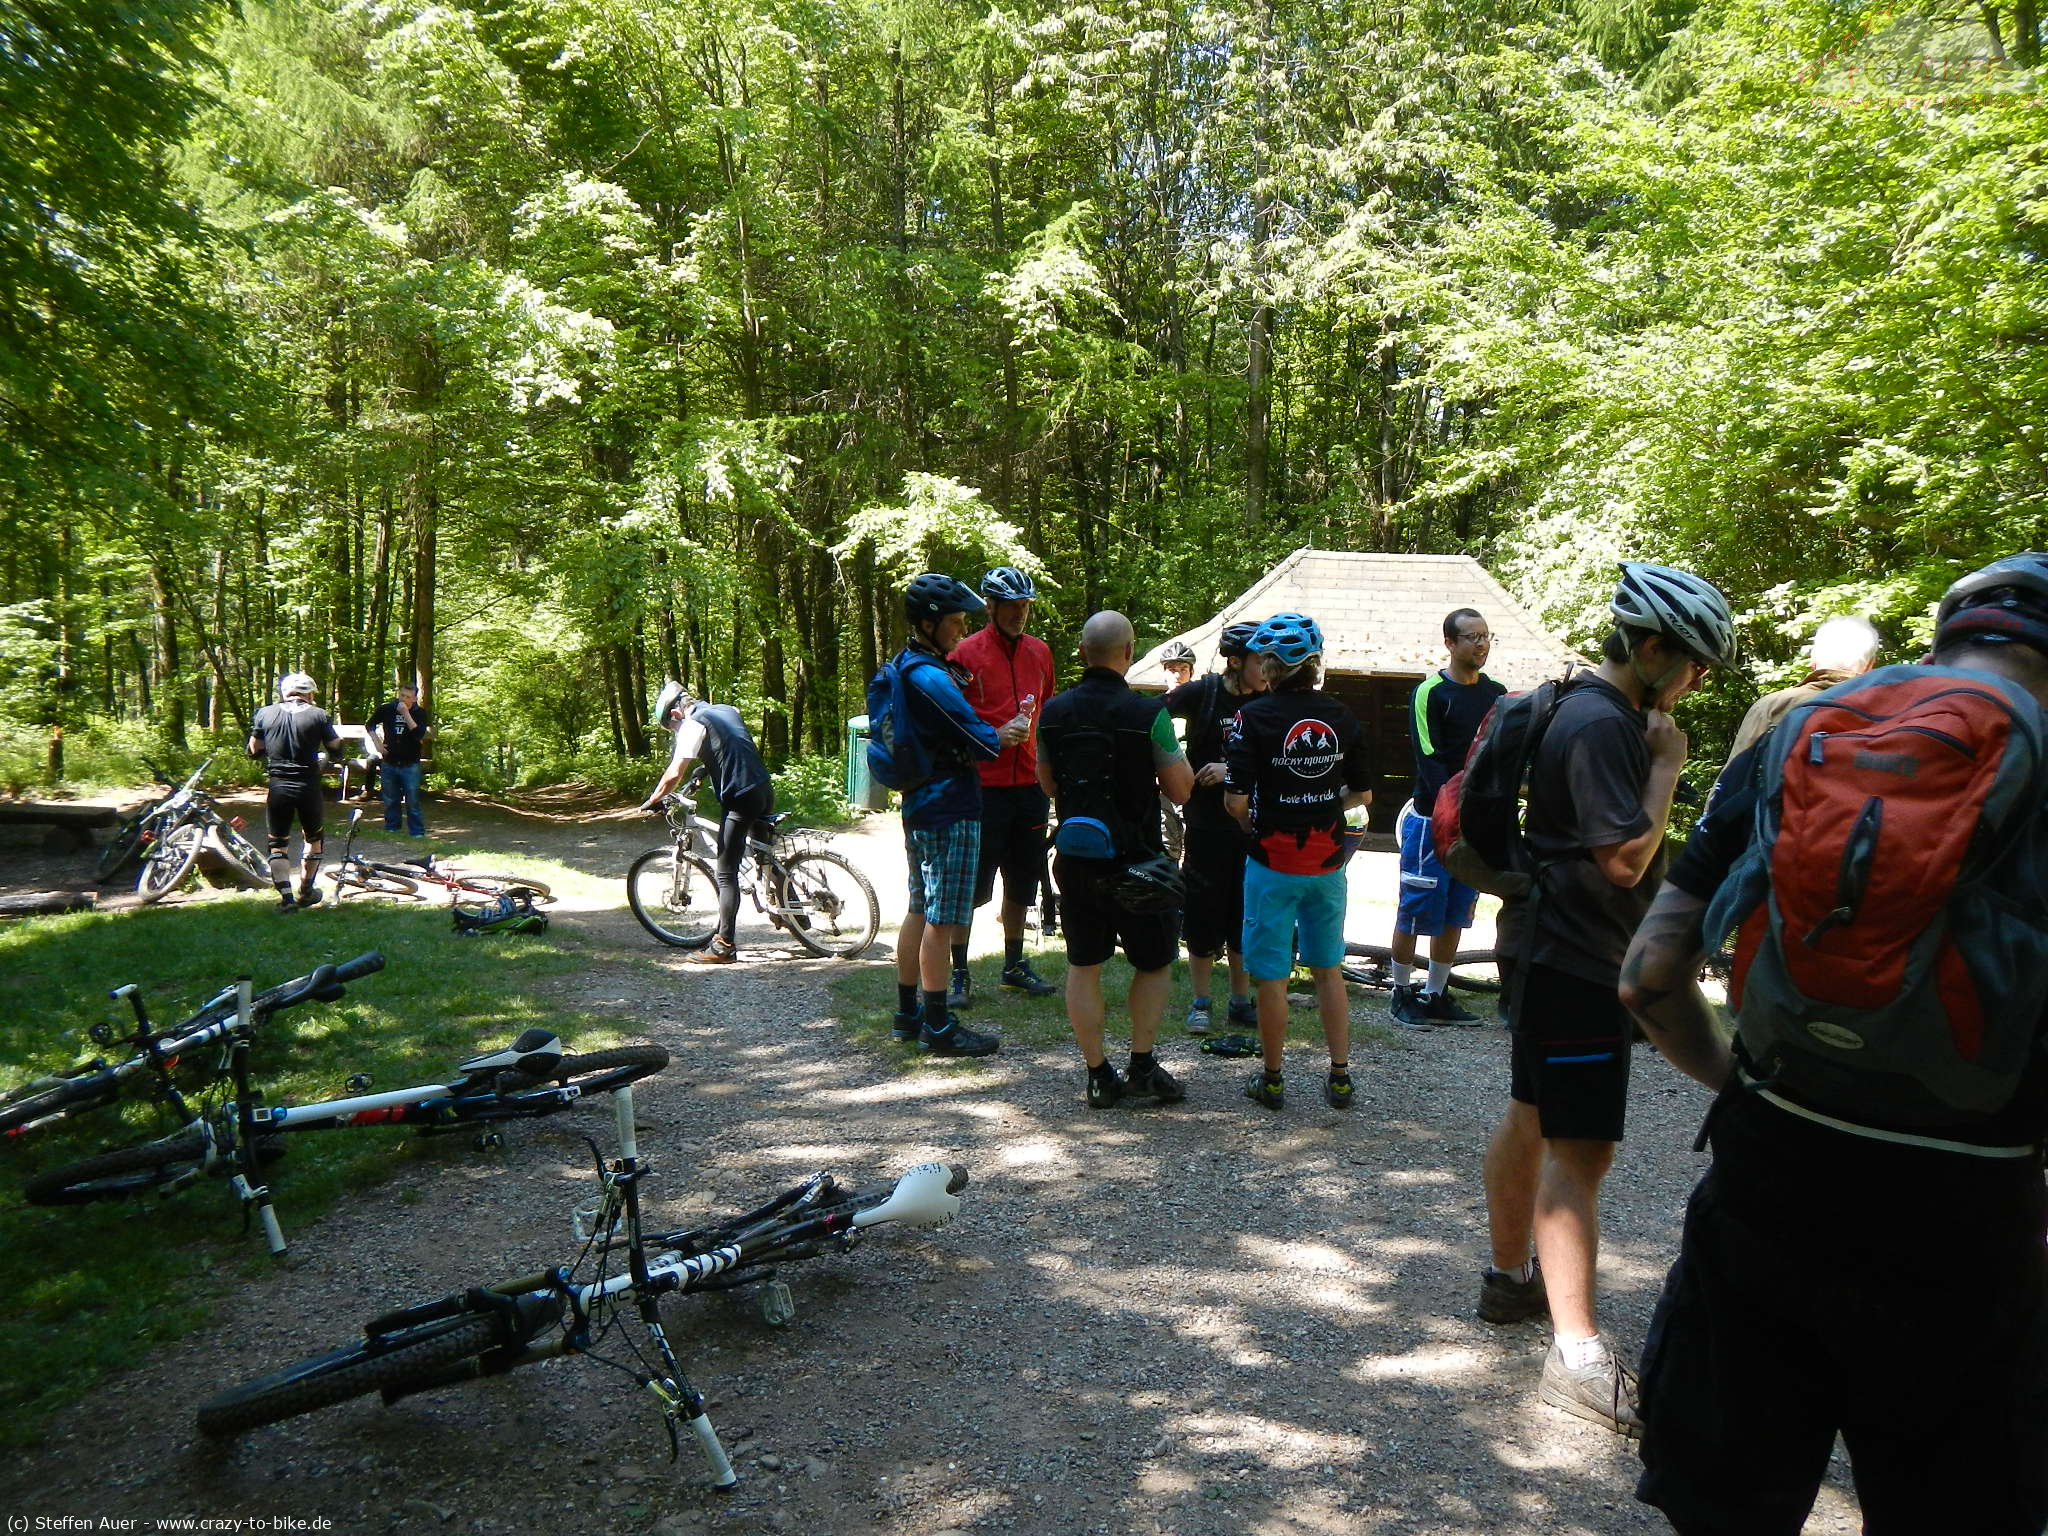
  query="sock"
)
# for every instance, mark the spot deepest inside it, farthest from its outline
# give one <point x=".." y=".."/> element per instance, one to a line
<point x="959" y="957"/>
<point x="1582" y="1354"/>
<point x="1402" y="973"/>
<point x="906" y="999"/>
<point x="1439" y="977"/>
<point x="1013" y="952"/>
<point x="1272" y="1075"/>
<point x="1101" y="1072"/>
<point x="935" y="1012"/>
<point x="1142" y="1063"/>
<point x="1199" y="1002"/>
<point x="1340" y="1071"/>
<point x="1521" y="1274"/>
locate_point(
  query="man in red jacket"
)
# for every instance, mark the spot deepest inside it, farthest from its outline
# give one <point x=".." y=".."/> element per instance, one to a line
<point x="1012" y="676"/>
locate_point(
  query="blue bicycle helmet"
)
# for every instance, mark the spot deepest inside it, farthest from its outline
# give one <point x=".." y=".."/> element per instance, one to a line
<point x="1236" y="639"/>
<point x="1293" y="637"/>
<point x="934" y="595"/>
<point x="1007" y="584"/>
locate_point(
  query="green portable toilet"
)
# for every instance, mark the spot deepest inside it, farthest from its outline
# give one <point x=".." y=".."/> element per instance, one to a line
<point x="862" y="792"/>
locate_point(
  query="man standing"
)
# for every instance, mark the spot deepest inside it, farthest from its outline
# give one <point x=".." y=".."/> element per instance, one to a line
<point x="717" y="736"/>
<point x="397" y="731"/>
<point x="942" y="816"/>
<point x="1177" y="661"/>
<point x="1012" y="678"/>
<point x="1841" y="649"/>
<point x="289" y="736"/>
<point x="1212" y="861"/>
<point x="1600" y="789"/>
<point x="1444" y="716"/>
<point x="1863" y="1258"/>
<point x="1109" y="755"/>
<point x="1295" y="763"/>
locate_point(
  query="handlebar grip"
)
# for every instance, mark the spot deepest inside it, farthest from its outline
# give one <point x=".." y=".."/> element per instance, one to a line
<point x="321" y="980"/>
<point x="362" y="965"/>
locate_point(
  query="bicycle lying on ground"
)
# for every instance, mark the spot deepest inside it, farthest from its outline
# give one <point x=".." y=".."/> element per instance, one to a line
<point x="358" y="876"/>
<point x="815" y="894"/>
<point x="135" y="830"/>
<point x="186" y="825"/>
<point x="489" y="1330"/>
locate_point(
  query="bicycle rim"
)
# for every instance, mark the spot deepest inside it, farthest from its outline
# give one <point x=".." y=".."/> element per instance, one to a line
<point x="168" y="864"/>
<point x="125" y="844"/>
<point x="324" y="1380"/>
<point x="370" y="882"/>
<point x="674" y="896"/>
<point x="502" y="885"/>
<point x="247" y="860"/>
<point x="833" y="908"/>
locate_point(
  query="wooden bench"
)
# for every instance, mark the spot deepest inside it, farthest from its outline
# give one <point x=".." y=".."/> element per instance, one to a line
<point x="71" y="826"/>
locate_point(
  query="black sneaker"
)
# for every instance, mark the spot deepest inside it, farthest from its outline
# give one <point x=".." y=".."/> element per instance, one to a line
<point x="906" y="1026"/>
<point x="962" y="990"/>
<point x="1337" y="1092"/>
<point x="954" y="1040"/>
<point x="1161" y="1085"/>
<point x="1260" y="1091"/>
<point x="1406" y="1007"/>
<point x="1021" y="978"/>
<point x="309" y="896"/>
<point x="1504" y="1299"/>
<point x="1244" y="1013"/>
<point x="286" y="904"/>
<point x="1438" y="1008"/>
<point x="1604" y="1393"/>
<point x="1105" y="1088"/>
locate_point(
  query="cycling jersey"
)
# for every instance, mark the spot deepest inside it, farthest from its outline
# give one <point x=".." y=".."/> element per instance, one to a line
<point x="294" y="734"/>
<point x="1443" y="717"/>
<point x="1297" y="754"/>
<point x="716" y="736"/>
<point x="1005" y="672"/>
<point x="1206" y="704"/>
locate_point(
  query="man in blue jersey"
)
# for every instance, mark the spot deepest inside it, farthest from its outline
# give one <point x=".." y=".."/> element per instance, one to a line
<point x="1448" y="708"/>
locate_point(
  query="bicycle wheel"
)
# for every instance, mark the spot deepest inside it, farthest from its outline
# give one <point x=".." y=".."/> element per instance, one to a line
<point x="41" y="1099"/>
<point x="592" y="1072"/>
<point x="502" y="885"/>
<point x="170" y="862"/>
<point x="246" y="862"/>
<point x="118" y="1174"/>
<point x="124" y="846"/>
<point x="833" y="910"/>
<point x="345" y="1373"/>
<point x="364" y="881"/>
<point x="675" y="897"/>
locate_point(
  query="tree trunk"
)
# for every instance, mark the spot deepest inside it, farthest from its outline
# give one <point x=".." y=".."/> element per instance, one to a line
<point x="1259" y="342"/>
<point x="167" y="664"/>
<point x="426" y="547"/>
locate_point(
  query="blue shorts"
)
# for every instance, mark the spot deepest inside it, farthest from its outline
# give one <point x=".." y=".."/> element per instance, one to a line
<point x="1431" y="900"/>
<point x="1286" y="915"/>
<point x="943" y="861"/>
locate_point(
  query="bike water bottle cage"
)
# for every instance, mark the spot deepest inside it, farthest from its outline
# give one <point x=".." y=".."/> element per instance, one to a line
<point x="536" y="1053"/>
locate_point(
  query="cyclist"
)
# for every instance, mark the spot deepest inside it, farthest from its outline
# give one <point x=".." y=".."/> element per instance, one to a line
<point x="1443" y="717"/>
<point x="1599" y="798"/>
<point x="1109" y="754"/>
<point x="942" y="816"/>
<point x="1212" y="862"/>
<point x="289" y="736"/>
<point x="715" y="735"/>
<point x="1296" y="762"/>
<point x="396" y="732"/>
<point x="1178" y="658"/>
<point x="1012" y="677"/>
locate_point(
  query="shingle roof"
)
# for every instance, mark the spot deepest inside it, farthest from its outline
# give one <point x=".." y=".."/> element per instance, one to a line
<point x="1382" y="613"/>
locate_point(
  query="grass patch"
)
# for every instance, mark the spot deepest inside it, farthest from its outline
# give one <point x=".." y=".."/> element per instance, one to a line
<point x="96" y="1285"/>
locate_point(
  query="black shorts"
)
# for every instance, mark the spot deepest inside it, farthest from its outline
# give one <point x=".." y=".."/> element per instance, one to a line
<point x="1095" y="925"/>
<point x="1013" y="822"/>
<point x="1929" y="1358"/>
<point x="1213" y="864"/>
<point x="288" y="803"/>
<point x="1569" y="1054"/>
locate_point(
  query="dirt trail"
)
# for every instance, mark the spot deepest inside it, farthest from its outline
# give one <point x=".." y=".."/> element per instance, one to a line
<point x="1192" y="1320"/>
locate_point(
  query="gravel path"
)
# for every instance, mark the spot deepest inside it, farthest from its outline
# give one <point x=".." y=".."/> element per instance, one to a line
<point x="1190" y="1320"/>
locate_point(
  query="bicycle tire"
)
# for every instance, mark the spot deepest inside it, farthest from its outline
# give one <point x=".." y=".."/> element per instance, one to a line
<point x="247" y="862"/>
<point x="324" y="1380"/>
<point x="125" y="844"/>
<point x="23" y="1107"/>
<point x="675" y="897"/>
<point x="118" y="1174"/>
<point x="170" y="862"/>
<point x="592" y="1072"/>
<point x="836" y="935"/>
<point x="373" y="882"/>
<point x="500" y="885"/>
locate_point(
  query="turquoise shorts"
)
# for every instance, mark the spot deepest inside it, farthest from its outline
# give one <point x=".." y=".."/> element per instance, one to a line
<point x="1290" y="915"/>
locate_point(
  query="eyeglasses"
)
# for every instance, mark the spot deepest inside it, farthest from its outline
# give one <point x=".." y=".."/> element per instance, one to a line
<point x="1482" y="638"/>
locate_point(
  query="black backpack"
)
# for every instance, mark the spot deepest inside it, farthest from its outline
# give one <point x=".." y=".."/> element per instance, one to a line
<point x="1090" y="826"/>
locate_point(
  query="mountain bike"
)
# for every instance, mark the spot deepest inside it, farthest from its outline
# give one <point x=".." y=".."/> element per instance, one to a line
<point x="492" y="1329"/>
<point x="819" y="898"/>
<point x="358" y="876"/>
<point x="186" y="825"/>
<point x="134" y="830"/>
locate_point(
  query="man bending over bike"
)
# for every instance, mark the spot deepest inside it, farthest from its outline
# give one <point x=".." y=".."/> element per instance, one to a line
<point x="716" y="735"/>
<point x="289" y="736"/>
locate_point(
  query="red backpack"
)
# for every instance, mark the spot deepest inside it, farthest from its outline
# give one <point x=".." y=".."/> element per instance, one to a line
<point x="1891" y="952"/>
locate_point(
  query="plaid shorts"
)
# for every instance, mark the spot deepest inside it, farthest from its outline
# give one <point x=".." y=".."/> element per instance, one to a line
<point x="943" y="861"/>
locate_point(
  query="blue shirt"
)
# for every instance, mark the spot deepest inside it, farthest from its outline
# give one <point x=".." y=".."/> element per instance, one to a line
<point x="957" y="737"/>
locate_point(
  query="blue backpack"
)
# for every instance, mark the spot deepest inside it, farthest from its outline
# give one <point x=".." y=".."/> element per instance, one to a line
<point x="897" y="756"/>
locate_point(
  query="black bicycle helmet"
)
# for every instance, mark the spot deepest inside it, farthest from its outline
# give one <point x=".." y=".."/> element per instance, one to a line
<point x="934" y="595"/>
<point x="1236" y="639"/>
<point x="673" y="696"/>
<point x="1154" y="885"/>
<point x="2005" y="600"/>
<point x="1177" y="650"/>
<point x="1678" y="605"/>
<point x="1007" y="584"/>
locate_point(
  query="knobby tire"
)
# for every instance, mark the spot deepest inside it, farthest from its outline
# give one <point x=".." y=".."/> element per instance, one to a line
<point x="74" y="1093"/>
<point x="170" y="862"/>
<point x="118" y="1174"/>
<point x="845" y="935"/>
<point x="693" y="926"/>
<point x="501" y="885"/>
<point x="593" y="1072"/>
<point x="324" y="1380"/>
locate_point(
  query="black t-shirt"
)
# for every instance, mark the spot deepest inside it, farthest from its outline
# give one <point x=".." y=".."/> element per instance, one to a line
<point x="294" y="735"/>
<point x="1586" y="792"/>
<point x="1297" y="753"/>
<point x="1718" y="841"/>
<point x="402" y="742"/>
<point x="1443" y="717"/>
<point x="727" y="750"/>
<point x="1206" y="705"/>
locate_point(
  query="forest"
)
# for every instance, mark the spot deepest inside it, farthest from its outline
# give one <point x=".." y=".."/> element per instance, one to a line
<point x="539" y="349"/>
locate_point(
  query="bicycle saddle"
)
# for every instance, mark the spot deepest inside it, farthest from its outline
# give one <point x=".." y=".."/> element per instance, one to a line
<point x="536" y="1053"/>
<point x="424" y="861"/>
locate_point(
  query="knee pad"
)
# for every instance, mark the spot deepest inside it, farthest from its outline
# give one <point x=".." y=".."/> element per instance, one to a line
<point x="315" y="847"/>
<point x="279" y="846"/>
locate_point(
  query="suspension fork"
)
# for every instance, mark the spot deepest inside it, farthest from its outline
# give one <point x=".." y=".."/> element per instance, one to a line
<point x="244" y="1182"/>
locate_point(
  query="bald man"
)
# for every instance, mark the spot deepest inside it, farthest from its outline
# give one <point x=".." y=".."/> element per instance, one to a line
<point x="1106" y="754"/>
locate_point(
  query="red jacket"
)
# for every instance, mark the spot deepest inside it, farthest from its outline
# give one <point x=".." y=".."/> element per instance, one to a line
<point x="1003" y="674"/>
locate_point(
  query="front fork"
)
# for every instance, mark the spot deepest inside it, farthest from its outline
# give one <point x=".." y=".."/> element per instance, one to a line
<point x="247" y="1190"/>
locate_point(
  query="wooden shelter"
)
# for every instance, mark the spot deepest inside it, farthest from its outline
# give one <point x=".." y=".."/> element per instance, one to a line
<point x="1382" y="620"/>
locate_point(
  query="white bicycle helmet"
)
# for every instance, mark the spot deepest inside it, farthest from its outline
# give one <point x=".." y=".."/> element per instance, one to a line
<point x="673" y="696"/>
<point x="296" y="685"/>
<point x="1677" y="604"/>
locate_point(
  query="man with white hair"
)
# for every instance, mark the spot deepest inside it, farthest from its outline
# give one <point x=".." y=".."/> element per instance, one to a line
<point x="1840" y="649"/>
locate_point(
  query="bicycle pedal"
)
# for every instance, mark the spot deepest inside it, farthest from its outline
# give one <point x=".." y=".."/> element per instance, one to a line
<point x="358" y="1082"/>
<point x="778" y="1307"/>
<point x="488" y="1141"/>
